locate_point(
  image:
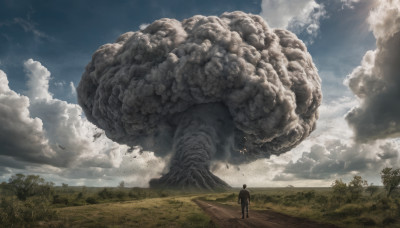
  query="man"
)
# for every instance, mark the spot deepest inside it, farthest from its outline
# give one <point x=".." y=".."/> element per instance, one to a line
<point x="244" y="200"/>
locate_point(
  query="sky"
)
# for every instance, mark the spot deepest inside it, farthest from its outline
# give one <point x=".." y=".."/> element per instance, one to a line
<point x="46" y="45"/>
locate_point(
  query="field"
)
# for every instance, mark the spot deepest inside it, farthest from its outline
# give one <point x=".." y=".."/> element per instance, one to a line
<point x="136" y="207"/>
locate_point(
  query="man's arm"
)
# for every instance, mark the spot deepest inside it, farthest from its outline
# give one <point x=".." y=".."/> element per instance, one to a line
<point x="239" y="197"/>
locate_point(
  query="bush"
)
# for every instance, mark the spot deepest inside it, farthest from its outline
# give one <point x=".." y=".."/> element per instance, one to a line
<point x="31" y="185"/>
<point x="309" y="195"/>
<point x="339" y="192"/>
<point x="105" y="194"/>
<point x="356" y="187"/>
<point x="322" y="200"/>
<point x="91" y="200"/>
<point x="60" y="200"/>
<point x="121" y="194"/>
<point x="16" y="213"/>
<point x="390" y="179"/>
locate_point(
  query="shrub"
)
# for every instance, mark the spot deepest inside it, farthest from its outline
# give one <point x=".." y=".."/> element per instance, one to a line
<point x="322" y="200"/>
<point x="121" y="194"/>
<point x="31" y="185"/>
<point x="372" y="189"/>
<point x="91" y="200"/>
<point x="339" y="191"/>
<point x="16" y="213"/>
<point x="60" y="200"/>
<point x="356" y="187"/>
<point x="105" y="194"/>
<point x="390" y="179"/>
<point x="309" y="195"/>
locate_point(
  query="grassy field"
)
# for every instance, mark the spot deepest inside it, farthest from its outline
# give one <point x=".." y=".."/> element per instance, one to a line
<point x="154" y="212"/>
<point x="136" y="207"/>
<point x="318" y="204"/>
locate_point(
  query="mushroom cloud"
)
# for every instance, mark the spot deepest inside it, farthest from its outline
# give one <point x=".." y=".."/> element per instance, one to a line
<point x="207" y="88"/>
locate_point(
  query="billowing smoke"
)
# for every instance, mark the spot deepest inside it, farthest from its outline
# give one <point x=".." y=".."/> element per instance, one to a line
<point x="225" y="88"/>
<point x="376" y="82"/>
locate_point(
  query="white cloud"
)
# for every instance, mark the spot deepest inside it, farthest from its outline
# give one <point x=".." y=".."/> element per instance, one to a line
<point x="38" y="80"/>
<point x="295" y="15"/>
<point x="349" y="3"/>
<point x="73" y="88"/>
<point x="143" y="26"/>
<point x="60" y="84"/>
<point x="376" y="81"/>
<point x="42" y="134"/>
<point x="21" y="136"/>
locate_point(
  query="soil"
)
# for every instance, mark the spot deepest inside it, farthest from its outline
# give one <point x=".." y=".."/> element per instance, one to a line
<point x="231" y="217"/>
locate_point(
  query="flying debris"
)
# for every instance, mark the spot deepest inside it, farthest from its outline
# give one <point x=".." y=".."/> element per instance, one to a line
<point x="61" y="147"/>
<point x="225" y="88"/>
<point x="96" y="136"/>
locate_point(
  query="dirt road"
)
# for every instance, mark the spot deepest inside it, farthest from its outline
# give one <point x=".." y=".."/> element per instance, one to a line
<point x="229" y="216"/>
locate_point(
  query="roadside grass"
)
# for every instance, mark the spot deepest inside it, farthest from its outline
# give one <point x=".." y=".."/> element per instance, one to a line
<point x="154" y="212"/>
<point x="318" y="204"/>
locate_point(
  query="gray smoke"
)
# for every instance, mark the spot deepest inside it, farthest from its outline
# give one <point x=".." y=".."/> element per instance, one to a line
<point x="224" y="88"/>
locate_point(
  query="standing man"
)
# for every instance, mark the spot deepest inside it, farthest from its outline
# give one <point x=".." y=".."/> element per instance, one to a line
<point x="244" y="200"/>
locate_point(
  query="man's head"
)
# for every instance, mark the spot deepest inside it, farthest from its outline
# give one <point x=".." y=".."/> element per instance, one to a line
<point x="244" y="186"/>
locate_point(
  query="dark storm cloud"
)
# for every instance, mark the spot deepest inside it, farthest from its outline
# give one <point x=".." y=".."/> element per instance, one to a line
<point x="376" y="82"/>
<point x="150" y="84"/>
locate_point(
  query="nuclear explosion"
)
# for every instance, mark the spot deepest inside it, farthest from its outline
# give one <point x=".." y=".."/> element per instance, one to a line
<point x="207" y="88"/>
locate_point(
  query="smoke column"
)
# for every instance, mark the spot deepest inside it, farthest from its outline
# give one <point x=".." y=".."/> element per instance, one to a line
<point x="225" y="88"/>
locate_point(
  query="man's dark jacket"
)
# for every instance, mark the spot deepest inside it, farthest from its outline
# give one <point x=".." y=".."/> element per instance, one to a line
<point x="244" y="195"/>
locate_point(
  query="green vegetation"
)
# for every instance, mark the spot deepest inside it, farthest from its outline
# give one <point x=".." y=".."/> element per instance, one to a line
<point x="30" y="201"/>
<point x="353" y="204"/>
<point x="151" y="212"/>
<point x="25" y="201"/>
<point x="390" y="179"/>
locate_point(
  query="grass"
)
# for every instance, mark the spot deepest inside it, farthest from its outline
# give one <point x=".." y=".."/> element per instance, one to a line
<point x="155" y="212"/>
<point x="136" y="207"/>
<point x="375" y="211"/>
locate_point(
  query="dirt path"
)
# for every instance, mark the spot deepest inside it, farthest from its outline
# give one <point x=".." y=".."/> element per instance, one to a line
<point x="229" y="216"/>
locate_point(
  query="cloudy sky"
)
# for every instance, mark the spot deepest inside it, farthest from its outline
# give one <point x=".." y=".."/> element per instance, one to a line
<point x="45" y="46"/>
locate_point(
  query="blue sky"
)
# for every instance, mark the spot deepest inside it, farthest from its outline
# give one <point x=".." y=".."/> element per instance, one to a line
<point x="61" y="36"/>
<point x="64" y="34"/>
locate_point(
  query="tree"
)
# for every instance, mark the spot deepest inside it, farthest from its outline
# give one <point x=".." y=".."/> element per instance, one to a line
<point x="356" y="187"/>
<point x="372" y="189"/>
<point x="121" y="184"/>
<point x="309" y="195"/>
<point x="390" y="179"/>
<point x="339" y="190"/>
<point x="26" y="186"/>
